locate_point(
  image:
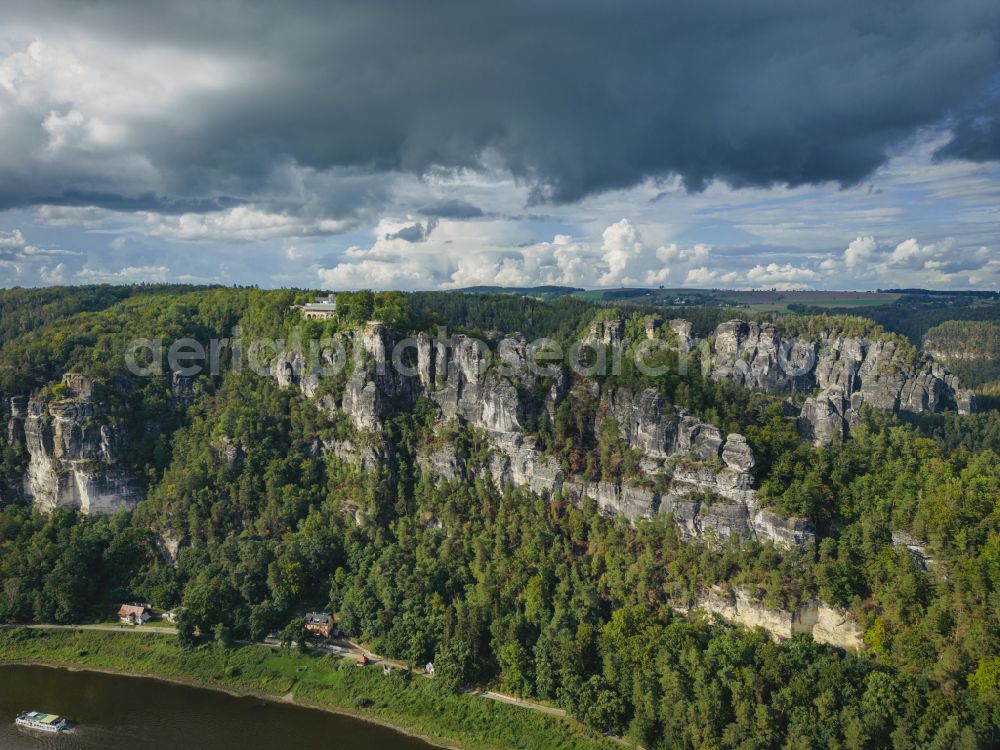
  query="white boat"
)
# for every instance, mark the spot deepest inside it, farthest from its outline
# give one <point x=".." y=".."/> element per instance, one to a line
<point x="42" y="722"/>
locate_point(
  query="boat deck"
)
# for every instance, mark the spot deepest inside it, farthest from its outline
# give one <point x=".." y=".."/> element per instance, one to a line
<point x="42" y="720"/>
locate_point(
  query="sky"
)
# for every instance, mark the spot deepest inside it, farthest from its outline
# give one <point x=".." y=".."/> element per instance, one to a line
<point x="393" y="144"/>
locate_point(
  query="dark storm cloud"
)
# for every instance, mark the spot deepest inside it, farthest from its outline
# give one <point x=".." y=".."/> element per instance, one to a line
<point x="976" y="137"/>
<point x="140" y="202"/>
<point x="414" y="232"/>
<point x="574" y="97"/>
<point x="452" y="209"/>
<point x="976" y="140"/>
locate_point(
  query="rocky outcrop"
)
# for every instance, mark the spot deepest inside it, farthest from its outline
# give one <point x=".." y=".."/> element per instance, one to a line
<point x="15" y="421"/>
<point x="710" y="503"/>
<point x="824" y="623"/>
<point x="75" y="452"/>
<point x="690" y="469"/>
<point x="442" y="463"/>
<point x="709" y="489"/>
<point x="641" y="423"/>
<point x="365" y="456"/>
<point x="231" y="454"/>
<point x="844" y="372"/>
<point x="182" y="389"/>
<point x="826" y="417"/>
<point x="758" y="356"/>
<point x="682" y="331"/>
<point x="916" y="548"/>
<point x="607" y="332"/>
<point x="374" y="385"/>
<point x="168" y="545"/>
<point x="292" y="369"/>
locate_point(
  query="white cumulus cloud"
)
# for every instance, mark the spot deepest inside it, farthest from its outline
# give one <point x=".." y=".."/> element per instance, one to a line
<point x="621" y="245"/>
<point x="239" y="224"/>
<point x="704" y="276"/>
<point x="861" y="250"/>
<point x="126" y="275"/>
<point x="785" y="276"/>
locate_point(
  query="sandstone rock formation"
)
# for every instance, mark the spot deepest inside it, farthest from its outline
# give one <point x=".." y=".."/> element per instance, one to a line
<point x="845" y="372"/>
<point x="75" y="452"/>
<point x="230" y="453"/>
<point x="182" y="389"/>
<point x="824" y="623"/>
<point x="710" y="492"/>
<point x="607" y="332"/>
<point x="682" y="330"/>
<point x="690" y="469"/>
<point x="916" y="548"/>
<point x="827" y="417"/>
<point x="758" y="356"/>
<point x="168" y="546"/>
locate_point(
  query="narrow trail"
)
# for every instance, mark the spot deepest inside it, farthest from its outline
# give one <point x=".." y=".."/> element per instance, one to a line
<point x="108" y="628"/>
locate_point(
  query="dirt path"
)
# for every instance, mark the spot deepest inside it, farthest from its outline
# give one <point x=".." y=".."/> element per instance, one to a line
<point x="109" y="628"/>
<point x="503" y="698"/>
<point x="373" y="658"/>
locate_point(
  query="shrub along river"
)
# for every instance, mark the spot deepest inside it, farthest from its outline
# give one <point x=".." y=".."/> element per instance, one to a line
<point x="111" y="711"/>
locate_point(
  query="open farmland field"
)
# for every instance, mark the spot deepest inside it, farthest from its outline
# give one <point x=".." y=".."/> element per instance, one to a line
<point x="779" y="301"/>
<point x="757" y="300"/>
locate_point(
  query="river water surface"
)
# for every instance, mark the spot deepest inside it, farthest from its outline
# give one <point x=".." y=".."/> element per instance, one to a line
<point x="127" y="712"/>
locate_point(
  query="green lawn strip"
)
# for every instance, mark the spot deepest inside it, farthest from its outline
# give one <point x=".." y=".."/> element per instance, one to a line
<point x="411" y="703"/>
<point x="116" y="623"/>
<point x="157" y="624"/>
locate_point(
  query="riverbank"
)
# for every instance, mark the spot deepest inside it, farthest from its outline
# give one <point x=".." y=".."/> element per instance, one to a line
<point x="325" y="681"/>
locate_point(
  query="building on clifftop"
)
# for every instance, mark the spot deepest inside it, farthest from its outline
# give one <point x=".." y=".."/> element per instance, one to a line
<point x="323" y="307"/>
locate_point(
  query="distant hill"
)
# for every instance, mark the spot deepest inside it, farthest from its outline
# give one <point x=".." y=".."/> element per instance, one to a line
<point x="970" y="348"/>
<point x="757" y="300"/>
<point x="915" y="314"/>
<point x="539" y="292"/>
<point x="964" y="339"/>
<point x="945" y="293"/>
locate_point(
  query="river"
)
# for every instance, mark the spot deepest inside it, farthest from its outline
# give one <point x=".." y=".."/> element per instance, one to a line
<point x="116" y="712"/>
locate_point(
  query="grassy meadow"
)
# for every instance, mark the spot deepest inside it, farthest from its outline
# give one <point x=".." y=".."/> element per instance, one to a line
<point x="410" y="703"/>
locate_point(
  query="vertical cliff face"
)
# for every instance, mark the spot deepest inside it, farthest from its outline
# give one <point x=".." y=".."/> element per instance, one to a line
<point x="824" y="623"/>
<point x="827" y="417"/>
<point x="844" y="372"/>
<point x="758" y="356"/>
<point x="375" y="386"/>
<point x="689" y="468"/>
<point x="15" y="422"/>
<point x="75" y="452"/>
<point x="611" y="332"/>
<point x="691" y="458"/>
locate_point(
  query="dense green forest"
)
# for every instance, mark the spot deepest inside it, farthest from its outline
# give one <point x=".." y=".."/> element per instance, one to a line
<point x="22" y="310"/>
<point x="535" y="596"/>
<point x="970" y="349"/>
<point x="916" y="312"/>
